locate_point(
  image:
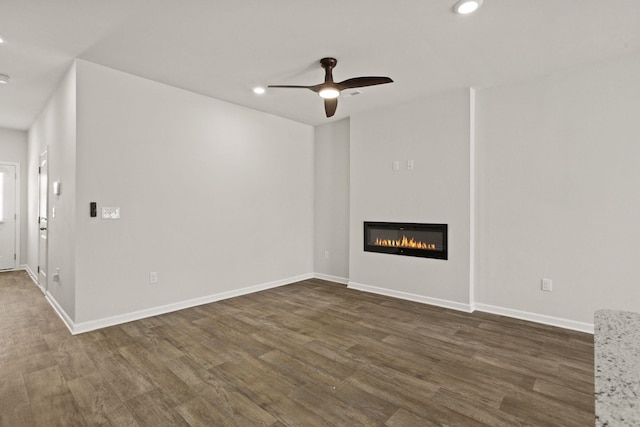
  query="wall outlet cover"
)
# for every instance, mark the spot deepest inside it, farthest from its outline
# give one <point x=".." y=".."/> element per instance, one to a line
<point x="110" y="213"/>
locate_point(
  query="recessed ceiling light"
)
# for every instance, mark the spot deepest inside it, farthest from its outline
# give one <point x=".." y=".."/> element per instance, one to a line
<point x="258" y="90"/>
<point x="1" y="39"/>
<point x="4" y="79"/>
<point x="464" y="7"/>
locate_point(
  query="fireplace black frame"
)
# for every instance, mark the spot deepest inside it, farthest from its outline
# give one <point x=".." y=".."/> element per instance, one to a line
<point x="438" y="253"/>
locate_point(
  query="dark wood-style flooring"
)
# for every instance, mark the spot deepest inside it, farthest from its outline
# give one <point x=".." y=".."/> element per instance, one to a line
<point x="312" y="353"/>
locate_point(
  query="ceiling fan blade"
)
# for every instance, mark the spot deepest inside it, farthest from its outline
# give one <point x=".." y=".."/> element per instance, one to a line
<point x="315" y="88"/>
<point x="292" y="86"/>
<point x="362" y="82"/>
<point x="330" y="106"/>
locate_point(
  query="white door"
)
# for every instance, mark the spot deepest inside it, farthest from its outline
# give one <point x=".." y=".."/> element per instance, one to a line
<point x="42" y="220"/>
<point x="7" y="217"/>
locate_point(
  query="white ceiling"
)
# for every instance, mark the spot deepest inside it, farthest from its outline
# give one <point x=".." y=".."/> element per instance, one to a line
<point x="223" y="48"/>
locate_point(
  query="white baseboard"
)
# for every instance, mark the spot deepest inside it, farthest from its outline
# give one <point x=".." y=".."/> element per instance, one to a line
<point x="60" y="312"/>
<point x="330" y="278"/>
<point x="31" y="274"/>
<point x="91" y="325"/>
<point x="537" y="318"/>
<point x="411" y="297"/>
<point x="468" y="308"/>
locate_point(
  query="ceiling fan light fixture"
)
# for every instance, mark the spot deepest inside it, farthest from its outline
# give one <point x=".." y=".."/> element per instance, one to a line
<point x="329" y="93"/>
<point x="258" y="90"/>
<point x="465" y="7"/>
<point x="4" y="79"/>
<point x="330" y="90"/>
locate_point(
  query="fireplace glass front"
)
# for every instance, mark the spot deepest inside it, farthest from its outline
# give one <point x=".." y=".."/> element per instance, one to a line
<point x="410" y="239"/>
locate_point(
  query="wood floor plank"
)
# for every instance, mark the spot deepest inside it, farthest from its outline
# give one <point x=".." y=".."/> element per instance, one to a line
<point x="17" y="415"/>
<point x="151" y="409"/>
<point x="541" y="410"/>
<point x="225" y="400"/>
<point x="311" y="353"/>
<point x="13" y="392"/>
<point x="96" y="403"/>
<point x="157" y="374"/>
<point x="474" y="407"/>
<point x="403" y="418"/>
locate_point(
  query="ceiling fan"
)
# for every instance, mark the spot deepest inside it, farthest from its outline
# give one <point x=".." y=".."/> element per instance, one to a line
<point x="330" y="90"/>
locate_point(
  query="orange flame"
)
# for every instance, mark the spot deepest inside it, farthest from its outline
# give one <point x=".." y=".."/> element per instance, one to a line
<point x="405" y="242"/>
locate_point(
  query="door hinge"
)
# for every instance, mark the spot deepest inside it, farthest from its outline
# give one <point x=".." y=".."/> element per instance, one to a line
<point x="38" y="269"/>
<point x="14" y="257"/>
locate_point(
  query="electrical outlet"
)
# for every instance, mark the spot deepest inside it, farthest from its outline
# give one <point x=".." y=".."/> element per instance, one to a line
<point x="410" y="164"/>
<point x="110" y="213"/>
<point x="326" y="254"/>
<point x="153" y="277"/>
<point x="547" y="285"/>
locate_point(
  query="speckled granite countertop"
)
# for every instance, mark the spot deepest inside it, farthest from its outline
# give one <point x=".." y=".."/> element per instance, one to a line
<point x="617" y="368"/>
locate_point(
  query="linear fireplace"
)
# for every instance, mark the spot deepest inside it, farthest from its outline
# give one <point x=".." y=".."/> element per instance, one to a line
<point x="410" y="239"/>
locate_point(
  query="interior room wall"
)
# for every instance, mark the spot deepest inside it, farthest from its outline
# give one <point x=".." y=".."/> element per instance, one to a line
<point x="214" y="197"/>
<point x="558" y="197"/>
<point x="13" y="148"/>
<point x="434" y="133"/>
<point x="331" y="201"/>
<point x="55" y="131"/>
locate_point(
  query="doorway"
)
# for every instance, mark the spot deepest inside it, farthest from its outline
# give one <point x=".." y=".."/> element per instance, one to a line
<point x="9" y="230"/>
<point x="43" y="202"/>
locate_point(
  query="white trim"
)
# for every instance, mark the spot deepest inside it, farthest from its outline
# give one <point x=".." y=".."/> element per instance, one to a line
<point x="330" y="278"/>
<point x="128" y="317"/>
<point x="30" y="272"/>
<point x="411" y="297"/>
<point x="60" y="312"/>
<point x="44" y="286"/>
<point x="537" y="318"/>
<point x="91" y="325"/>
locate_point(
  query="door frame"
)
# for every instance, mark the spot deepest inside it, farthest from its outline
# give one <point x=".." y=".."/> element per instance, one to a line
<point x="18" y="261"/>
<point x="43" y="286"/>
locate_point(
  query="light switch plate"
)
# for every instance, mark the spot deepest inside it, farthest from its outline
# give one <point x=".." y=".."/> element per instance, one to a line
<point x="110" y="213"/>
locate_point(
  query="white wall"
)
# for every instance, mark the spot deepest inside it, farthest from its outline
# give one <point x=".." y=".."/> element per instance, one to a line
<point x="196" y="178"/>
<point x="558" y="192"/>
<point x="434" y="132"/>
<point x="214" y="197"/>
<point x="13" y="148"/>
<point x="55" y="131"/>
<point x="331" y="203"/>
